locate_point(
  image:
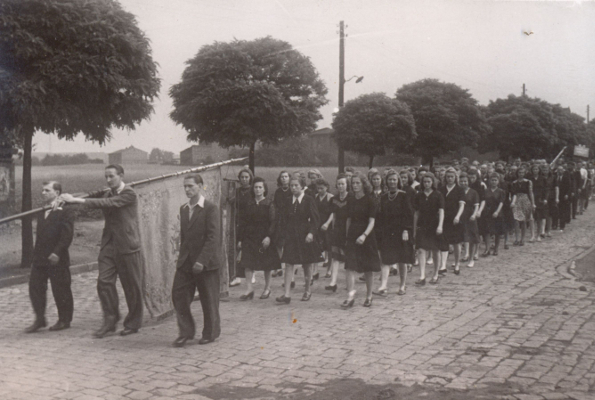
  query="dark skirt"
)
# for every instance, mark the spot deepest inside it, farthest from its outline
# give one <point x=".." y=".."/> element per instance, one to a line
<point x="492" y="226"/>
<point x="471" y="232"/>
<point x="427" y="239"/>
<point x="542" y="211"/>
<point x="393" y="249"/>
<point x="257" y="258"/>
<point x="298" y="252"/>
<point x="361" y="257"/>
<point x="337" y="238"/>
<point x="453" y="234"/>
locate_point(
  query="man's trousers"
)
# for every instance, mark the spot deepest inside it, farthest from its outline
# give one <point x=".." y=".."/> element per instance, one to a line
<point x="184" y="287"/>
<point x="129" y="268"/>
<point x="60" y="280"/>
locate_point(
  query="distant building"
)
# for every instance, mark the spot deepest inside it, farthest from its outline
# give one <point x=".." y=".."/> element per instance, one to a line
<point x="129" y="155"/>
<point x="203" y="154"/>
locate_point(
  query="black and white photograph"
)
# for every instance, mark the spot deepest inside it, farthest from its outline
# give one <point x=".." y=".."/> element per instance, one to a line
<point x="297" y="200"/>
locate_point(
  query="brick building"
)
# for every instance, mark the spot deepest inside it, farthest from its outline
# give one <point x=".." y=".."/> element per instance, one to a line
<point x="129" y="155"/>
<point x="203" y="154"/>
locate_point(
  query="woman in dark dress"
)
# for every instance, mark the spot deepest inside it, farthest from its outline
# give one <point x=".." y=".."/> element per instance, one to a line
<point x="257" y="227"/>
<point x="427" y="225"/>
<point x="281" y="200"/>
<point x="469" y="218"/>
<point x="492" y="218"/>
<point x="361" y="249"/>
<point x="406" y="180"/>
<point x="551" y="189"/>
<point x="454" y="231"/>
<point x="540" y="195"/>
<point x="323" y="205"/>
<point x="477" y="184"/>
<point x="377" y="187"/>
<point x="522" y="204"/>
<point x="243" y="196"/>
<point x="337" y="222"/>
<point x="301" y="242"/>
<point x="394" y="228"/>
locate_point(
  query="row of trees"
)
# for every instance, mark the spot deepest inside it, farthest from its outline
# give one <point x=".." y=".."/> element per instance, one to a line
<point x="159" y="156"/>
<point x="431" y="118"/>
<point x="70" y="67"/>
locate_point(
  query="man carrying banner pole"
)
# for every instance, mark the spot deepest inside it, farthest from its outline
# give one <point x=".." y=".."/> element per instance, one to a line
<point x="120" y="253"/>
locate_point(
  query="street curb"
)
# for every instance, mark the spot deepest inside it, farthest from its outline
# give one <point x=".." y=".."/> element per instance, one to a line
<point x="571" y="268"/>
<point x="74" y="269"/>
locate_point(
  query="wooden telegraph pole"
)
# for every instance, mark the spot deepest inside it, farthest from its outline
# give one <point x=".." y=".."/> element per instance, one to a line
<point x="341" y="87"/>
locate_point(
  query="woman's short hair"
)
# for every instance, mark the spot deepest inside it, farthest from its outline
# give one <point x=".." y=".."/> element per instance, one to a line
<point x="258" y="179"/>
<point x="279" y="184"/>
<point x="316" y="172"/>
<point x="322" y="182"/>
<point x="365" y="182"/>
<point x="300" y="177"/>
<point x="464" y="175"/>
<point x="371" y="177"/>
<point x="451" y="170"/>
<point x="344" y="176"/>
<point x="371" y="171"/>
<point x="494" y="175"/>
<point x="246" y="170"/>
<point x="409" y="176"/>
<point x="392" y="172"/>
<point x="432" y="177"/>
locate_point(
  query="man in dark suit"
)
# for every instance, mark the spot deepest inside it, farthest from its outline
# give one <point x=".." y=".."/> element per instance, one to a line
<point x="120" y="253"/>
<point x="55" y="228"/>
<point x="198" y="264"/>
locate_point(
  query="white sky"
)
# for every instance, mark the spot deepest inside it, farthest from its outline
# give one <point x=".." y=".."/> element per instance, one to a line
<point x="479" y="45"/>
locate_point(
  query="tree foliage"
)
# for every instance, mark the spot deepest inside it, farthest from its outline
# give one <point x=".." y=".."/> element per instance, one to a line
<point x="70" y="67"/>
<point x="533" y="128"/>
<point x="372" y="123"/>
<point x="446" y="117"/>
<point x="241" y="92"/>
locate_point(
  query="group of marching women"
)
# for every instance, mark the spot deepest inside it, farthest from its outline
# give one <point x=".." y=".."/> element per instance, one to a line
<point x="387" y="222"/>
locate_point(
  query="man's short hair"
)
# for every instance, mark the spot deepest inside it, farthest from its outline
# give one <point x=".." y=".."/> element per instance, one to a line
<point x="119" y="169"/>
<point x="196" y="178"/>
<point x="55" y="185"/>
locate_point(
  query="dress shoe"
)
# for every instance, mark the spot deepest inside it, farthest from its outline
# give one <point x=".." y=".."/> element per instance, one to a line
<point x="283" y="299"/>
<point x="180" y="341"/>
<point x="128" y="331"/>
<point x="265" y="295"/>
<point x="368" y="303"/>
<point x="107" y="327"/>
<point x="331" y="287"/>
<point x="60" y="325"/>
<point x="306" y="296"/>
<point x="381" y="292"/>
<point x="347" y="304"/>
<point x="316" y="276"/>
<point x="420" y="282"/>
<point x="442" y="271"/>
<point x="38" y="324"/>
<point x="248" y="296"/>
<point x="205" y="341"/>
<point x="235" y="282"/>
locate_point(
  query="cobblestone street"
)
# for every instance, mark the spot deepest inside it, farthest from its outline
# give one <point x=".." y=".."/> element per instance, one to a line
<point x="517" y="323"/>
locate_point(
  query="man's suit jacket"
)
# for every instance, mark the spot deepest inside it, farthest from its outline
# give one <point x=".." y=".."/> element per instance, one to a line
<point x="121" y="218"/>
<point x="565" y="185"/>
<point x="200" y="236"/>
<point x="54" y="236"/>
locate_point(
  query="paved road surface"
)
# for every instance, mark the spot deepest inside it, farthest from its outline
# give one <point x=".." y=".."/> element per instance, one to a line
<point x="513" y="326"/>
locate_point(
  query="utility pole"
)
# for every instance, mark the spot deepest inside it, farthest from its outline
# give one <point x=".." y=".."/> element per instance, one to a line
<point x="523" y="90"/>
<point x="341" y="87"/>
<point x="587" y="113"/>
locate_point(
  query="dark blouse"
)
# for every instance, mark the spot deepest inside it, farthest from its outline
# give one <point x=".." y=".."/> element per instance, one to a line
<point x="493" y="200"/>
<point x="427" y="208"/>
<point x="395" y="213"/>
<point x="324" y="207"/>
<point x="257" y="220"/>
<point x="452" y="201"/>
<point x="518" y="187"/>
<point x="540" y="189"/>
<point x="471" y="199"/>
<point x="361" y="210"/>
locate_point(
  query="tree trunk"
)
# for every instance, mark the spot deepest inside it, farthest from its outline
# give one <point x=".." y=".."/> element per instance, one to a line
<point x="26" y="222"/>
<point x="251" y="157"/>
<point x="427" y="159"/>
<point x="371" y="161"/>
